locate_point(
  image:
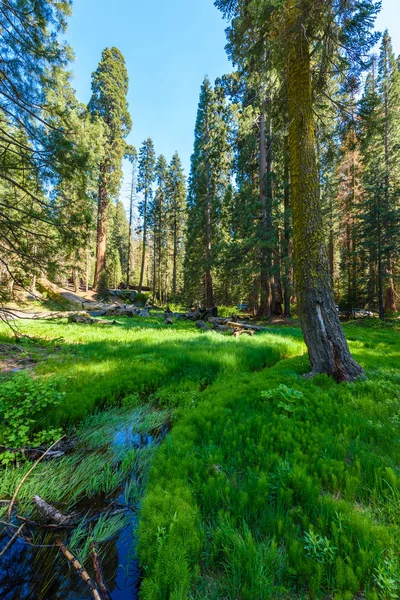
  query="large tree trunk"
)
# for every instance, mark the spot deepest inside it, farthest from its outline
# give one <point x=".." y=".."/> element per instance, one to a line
<point x="323" y="333"/>
<point x="101" y="243"/>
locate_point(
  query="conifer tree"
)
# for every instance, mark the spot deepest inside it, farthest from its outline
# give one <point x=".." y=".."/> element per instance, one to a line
<point x="300" y="33"/>
<point x="389" y="90"/>
<point x="146" y="175"/>
<point x="158" y="220"/>
<point x="108" y="101"/>
<point x="131" y="155"/>
<point x="379" y="117"/>
<point x="208" y="182"/>
<point x="176" y="214"/>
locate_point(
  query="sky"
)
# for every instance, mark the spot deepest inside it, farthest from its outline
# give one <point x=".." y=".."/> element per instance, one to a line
<point x="169" y="47"/>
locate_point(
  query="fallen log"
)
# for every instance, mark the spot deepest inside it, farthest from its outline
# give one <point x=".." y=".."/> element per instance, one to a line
<point x="201" y="325"/>
<point x="44" y="525"/>
<point x="245" y="326"/>
<point x="52" y="514"/>
<point x="201" y="314"/>
<point x="80" y="570"/>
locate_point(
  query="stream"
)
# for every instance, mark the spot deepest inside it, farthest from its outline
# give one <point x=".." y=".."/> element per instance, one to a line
<point x="114" y="444"/>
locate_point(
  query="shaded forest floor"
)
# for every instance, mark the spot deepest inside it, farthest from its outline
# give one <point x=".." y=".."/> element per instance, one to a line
<point x="268" y="485"/>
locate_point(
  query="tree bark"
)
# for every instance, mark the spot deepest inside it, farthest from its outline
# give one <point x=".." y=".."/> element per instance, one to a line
<point x="175" y="257"/>
<point x="101" y="243"/>
<point x="390" y="294"/>
<point x="143" y="243"/>
<point x="264" y="309"/>
<point x="327" y="346"/>
<point x="132" y="194"/>
<point x="208" y="280"/>
<point x="286" y="240"/>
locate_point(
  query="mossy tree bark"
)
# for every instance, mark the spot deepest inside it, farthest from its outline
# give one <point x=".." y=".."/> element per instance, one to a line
<point x="323" y="333"/>
<point x="264" y="309"/>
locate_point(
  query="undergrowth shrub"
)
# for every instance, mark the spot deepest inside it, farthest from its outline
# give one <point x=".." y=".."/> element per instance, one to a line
<point x="23" y="400"/>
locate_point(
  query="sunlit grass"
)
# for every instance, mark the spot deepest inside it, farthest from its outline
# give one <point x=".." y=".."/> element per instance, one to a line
<point x="257" y="492"/>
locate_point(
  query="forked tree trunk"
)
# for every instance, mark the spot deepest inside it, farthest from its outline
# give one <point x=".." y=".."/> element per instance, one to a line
<point x="323" y="333"/>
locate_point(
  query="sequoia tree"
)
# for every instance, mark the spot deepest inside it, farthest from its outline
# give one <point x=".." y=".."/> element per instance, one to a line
<point x="108" y="101"/>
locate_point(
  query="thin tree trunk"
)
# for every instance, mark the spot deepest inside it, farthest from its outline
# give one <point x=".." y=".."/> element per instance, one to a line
<point x="264" y="309"/>
<point x="175" y="258"/>
<point x="143" y="243"/>
<point x="208" y="281"/>
<point x="381" y="306"/>
<point x="390" y="295"/>
<point x="128" y="266"/>
<point x="286" y="226"/>
<point x="87" y="258"/>
<point x="327" y="346"/>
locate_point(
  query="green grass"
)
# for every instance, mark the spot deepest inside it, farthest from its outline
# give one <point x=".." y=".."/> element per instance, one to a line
<point x="269" y="485"/>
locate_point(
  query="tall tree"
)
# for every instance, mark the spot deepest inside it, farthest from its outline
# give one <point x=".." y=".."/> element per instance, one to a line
<point x="176" y="213"/>
<point x="47" y="143"/>
<point x="303" y="34"/>
<point x="131" y="155"/>
<point x="389" y="88"/>
<point x="158" y="220"/>
<point x="208" y="182"/>
<point x="108" y="101"/>
<point x="146" y="175"/>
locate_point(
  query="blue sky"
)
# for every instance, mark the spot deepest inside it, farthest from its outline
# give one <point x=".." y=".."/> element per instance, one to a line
<point x="169" y="46"/>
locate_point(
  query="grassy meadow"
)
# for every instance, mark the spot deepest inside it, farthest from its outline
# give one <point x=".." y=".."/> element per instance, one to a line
<point x="268" y="485"/>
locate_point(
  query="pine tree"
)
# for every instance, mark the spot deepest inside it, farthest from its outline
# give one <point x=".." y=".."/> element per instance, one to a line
<point x="158" y="221"/>
<point x="131" y="155"/>
<point x="176" y="215"/>
<point x="292" y="28"/>
<point x="108" y="101"/>
<point x="146" y="175"/>
<point x="208" y="182"/>
<point x="389" y="89"/>
<point x="379" y="218"/>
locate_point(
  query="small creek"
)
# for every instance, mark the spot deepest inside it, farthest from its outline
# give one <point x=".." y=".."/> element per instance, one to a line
<point x="42" y="573"/>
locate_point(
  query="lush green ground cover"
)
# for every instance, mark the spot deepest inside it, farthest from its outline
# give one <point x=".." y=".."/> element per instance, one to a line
<point x="269" y="485"/>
